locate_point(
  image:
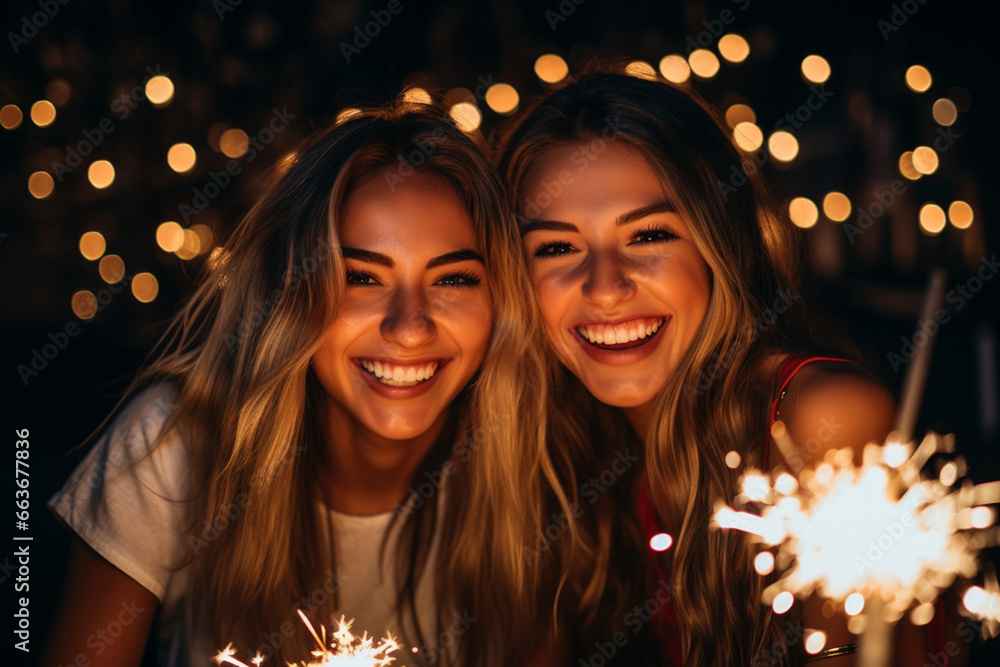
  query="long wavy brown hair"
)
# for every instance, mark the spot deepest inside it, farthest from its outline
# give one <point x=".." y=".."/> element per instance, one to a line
<point x="752" y="251"/>
<point x="248" y="403"/>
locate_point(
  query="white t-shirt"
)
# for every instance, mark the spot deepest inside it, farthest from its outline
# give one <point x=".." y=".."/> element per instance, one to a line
<point x="133" y="509"/>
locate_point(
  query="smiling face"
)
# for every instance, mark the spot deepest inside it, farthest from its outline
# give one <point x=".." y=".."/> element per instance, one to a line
<point x="621" y="285"/>
<point x="417" y="315"/>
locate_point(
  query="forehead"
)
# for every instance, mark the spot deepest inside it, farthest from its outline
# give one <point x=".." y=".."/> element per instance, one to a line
<point x="578" y="180"/>
<point x="420" y="214"/>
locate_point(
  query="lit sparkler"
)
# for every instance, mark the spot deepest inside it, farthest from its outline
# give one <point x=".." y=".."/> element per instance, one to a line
<point x="345" y="650"/>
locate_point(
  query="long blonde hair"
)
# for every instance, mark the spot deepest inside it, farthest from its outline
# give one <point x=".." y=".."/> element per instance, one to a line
<point x="752" y="252"/>
<point x="247" y="401"/>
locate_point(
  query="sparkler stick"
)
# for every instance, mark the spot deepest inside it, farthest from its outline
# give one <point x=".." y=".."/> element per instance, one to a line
<point x="876" y="642"/>
<point x="916" y="371"/>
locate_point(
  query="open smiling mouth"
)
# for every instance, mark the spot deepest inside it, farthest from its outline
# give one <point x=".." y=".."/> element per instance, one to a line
<point x="399" y="375"/>
<point x="623" y="335"/>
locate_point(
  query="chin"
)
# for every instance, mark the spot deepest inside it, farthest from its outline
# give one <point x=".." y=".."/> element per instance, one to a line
<point x="621" y="397"/>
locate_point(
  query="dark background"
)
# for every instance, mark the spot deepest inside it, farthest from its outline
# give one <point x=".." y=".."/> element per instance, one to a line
<point x="234" y="63"/>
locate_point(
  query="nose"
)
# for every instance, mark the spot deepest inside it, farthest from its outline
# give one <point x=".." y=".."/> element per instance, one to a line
<point x="607" y="282"/>
<point x="408" y="322"/>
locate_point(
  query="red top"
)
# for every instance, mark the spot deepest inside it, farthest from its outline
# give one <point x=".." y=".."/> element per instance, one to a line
<point x="651" y="526"/>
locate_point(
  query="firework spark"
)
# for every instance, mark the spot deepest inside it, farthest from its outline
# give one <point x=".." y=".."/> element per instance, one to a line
<point x="878" y="530"/>
<point x="345" y="650"/>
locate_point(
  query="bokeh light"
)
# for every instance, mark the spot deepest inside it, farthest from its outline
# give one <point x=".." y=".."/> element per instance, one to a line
<point x="734" y="48"/>
<point x="84" y="304"/>
<point x="703" y="63"/>
<point x="740" y="113"/>
<point x="58" y="92"/>
<point x="854" y="604"/>
<point x="960" y="214"/>
<point x="181" y="157"/>
<point x="803" y="212"/>
<point x="675" y="68"/>
<point x="944" y="111"/>
<point x="815" y="69"/>
<point x="783" y="601"/>
<point x="92" y="245"/>
<point x="661" y="542"/>
<point x="234" y="142"/>
<point x="169" y="236"/>
<point x="763" y="563"/>
<point x="641" y="70"/>
<point x="837" y="206"/>
<point x="111" y="268"/>
<point x="11" y="117"/>
<point x="918" y="78"/>
<point x="467" y="116"/>
<point x="906" y="167"/>
<point x="932" y="219"/>
<point x="748" y="136"/>
<point x="160" y="90"/>
<point x="502" y="98"/>
<point x="783" y="146"/>
<point x="43" y="113"/>
<point x="925" y="160"/>
<point x="145" y="287"/>
<point x="416" y="95"/>
<point x="551" y="68"/>
<point x="190" y="245"/>
<point x="41" y="185"/>
<point x="733" y="459"/>
<point x="205" y="237"/>
<point x="101" y="174"/>
<point x="815" y="641"/>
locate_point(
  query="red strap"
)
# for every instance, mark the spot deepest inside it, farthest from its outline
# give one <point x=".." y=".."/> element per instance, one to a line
<point x="788" y="369"/>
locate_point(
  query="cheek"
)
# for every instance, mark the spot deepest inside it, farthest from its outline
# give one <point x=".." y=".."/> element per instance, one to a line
<point x="554" y="295"/>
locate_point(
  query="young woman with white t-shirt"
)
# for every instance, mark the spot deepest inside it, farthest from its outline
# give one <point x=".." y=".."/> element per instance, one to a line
<point x="336" y="421"/>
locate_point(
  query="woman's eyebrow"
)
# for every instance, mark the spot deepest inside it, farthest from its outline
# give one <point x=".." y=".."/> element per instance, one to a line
<point x="548" y="225"/>
<point x="639" y="213"/>
<point x="456" y="256"/>
<point x="384" y="260"/>
<point x="368" y="256"/>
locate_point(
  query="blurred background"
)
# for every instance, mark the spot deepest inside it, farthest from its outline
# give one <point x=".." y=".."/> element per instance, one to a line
<point x="119" y="121"/>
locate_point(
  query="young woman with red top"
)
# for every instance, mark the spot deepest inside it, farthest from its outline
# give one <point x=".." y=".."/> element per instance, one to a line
<point x="670" y="296"/>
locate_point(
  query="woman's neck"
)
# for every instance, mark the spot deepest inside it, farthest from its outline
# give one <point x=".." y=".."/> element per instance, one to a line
<point x="367" y="473"/>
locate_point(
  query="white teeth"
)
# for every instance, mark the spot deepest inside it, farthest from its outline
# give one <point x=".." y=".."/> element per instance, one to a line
<point x="619" y="334"/>
<point x="399" y="376"/>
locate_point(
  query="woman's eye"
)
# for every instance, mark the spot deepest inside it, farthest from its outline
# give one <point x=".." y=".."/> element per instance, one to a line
<point x="361" y="279"/>
<point x="459" y="279"/>
<point x="553" y="249"/>
<point x="653" y="235"/>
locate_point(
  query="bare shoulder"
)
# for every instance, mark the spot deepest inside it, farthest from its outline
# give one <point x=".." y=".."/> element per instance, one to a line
<point x="832" y="405"/>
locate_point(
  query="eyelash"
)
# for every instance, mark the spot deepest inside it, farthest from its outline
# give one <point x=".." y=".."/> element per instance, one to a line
<point x="468" y="279"/>
<point x="665" y="235"/>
